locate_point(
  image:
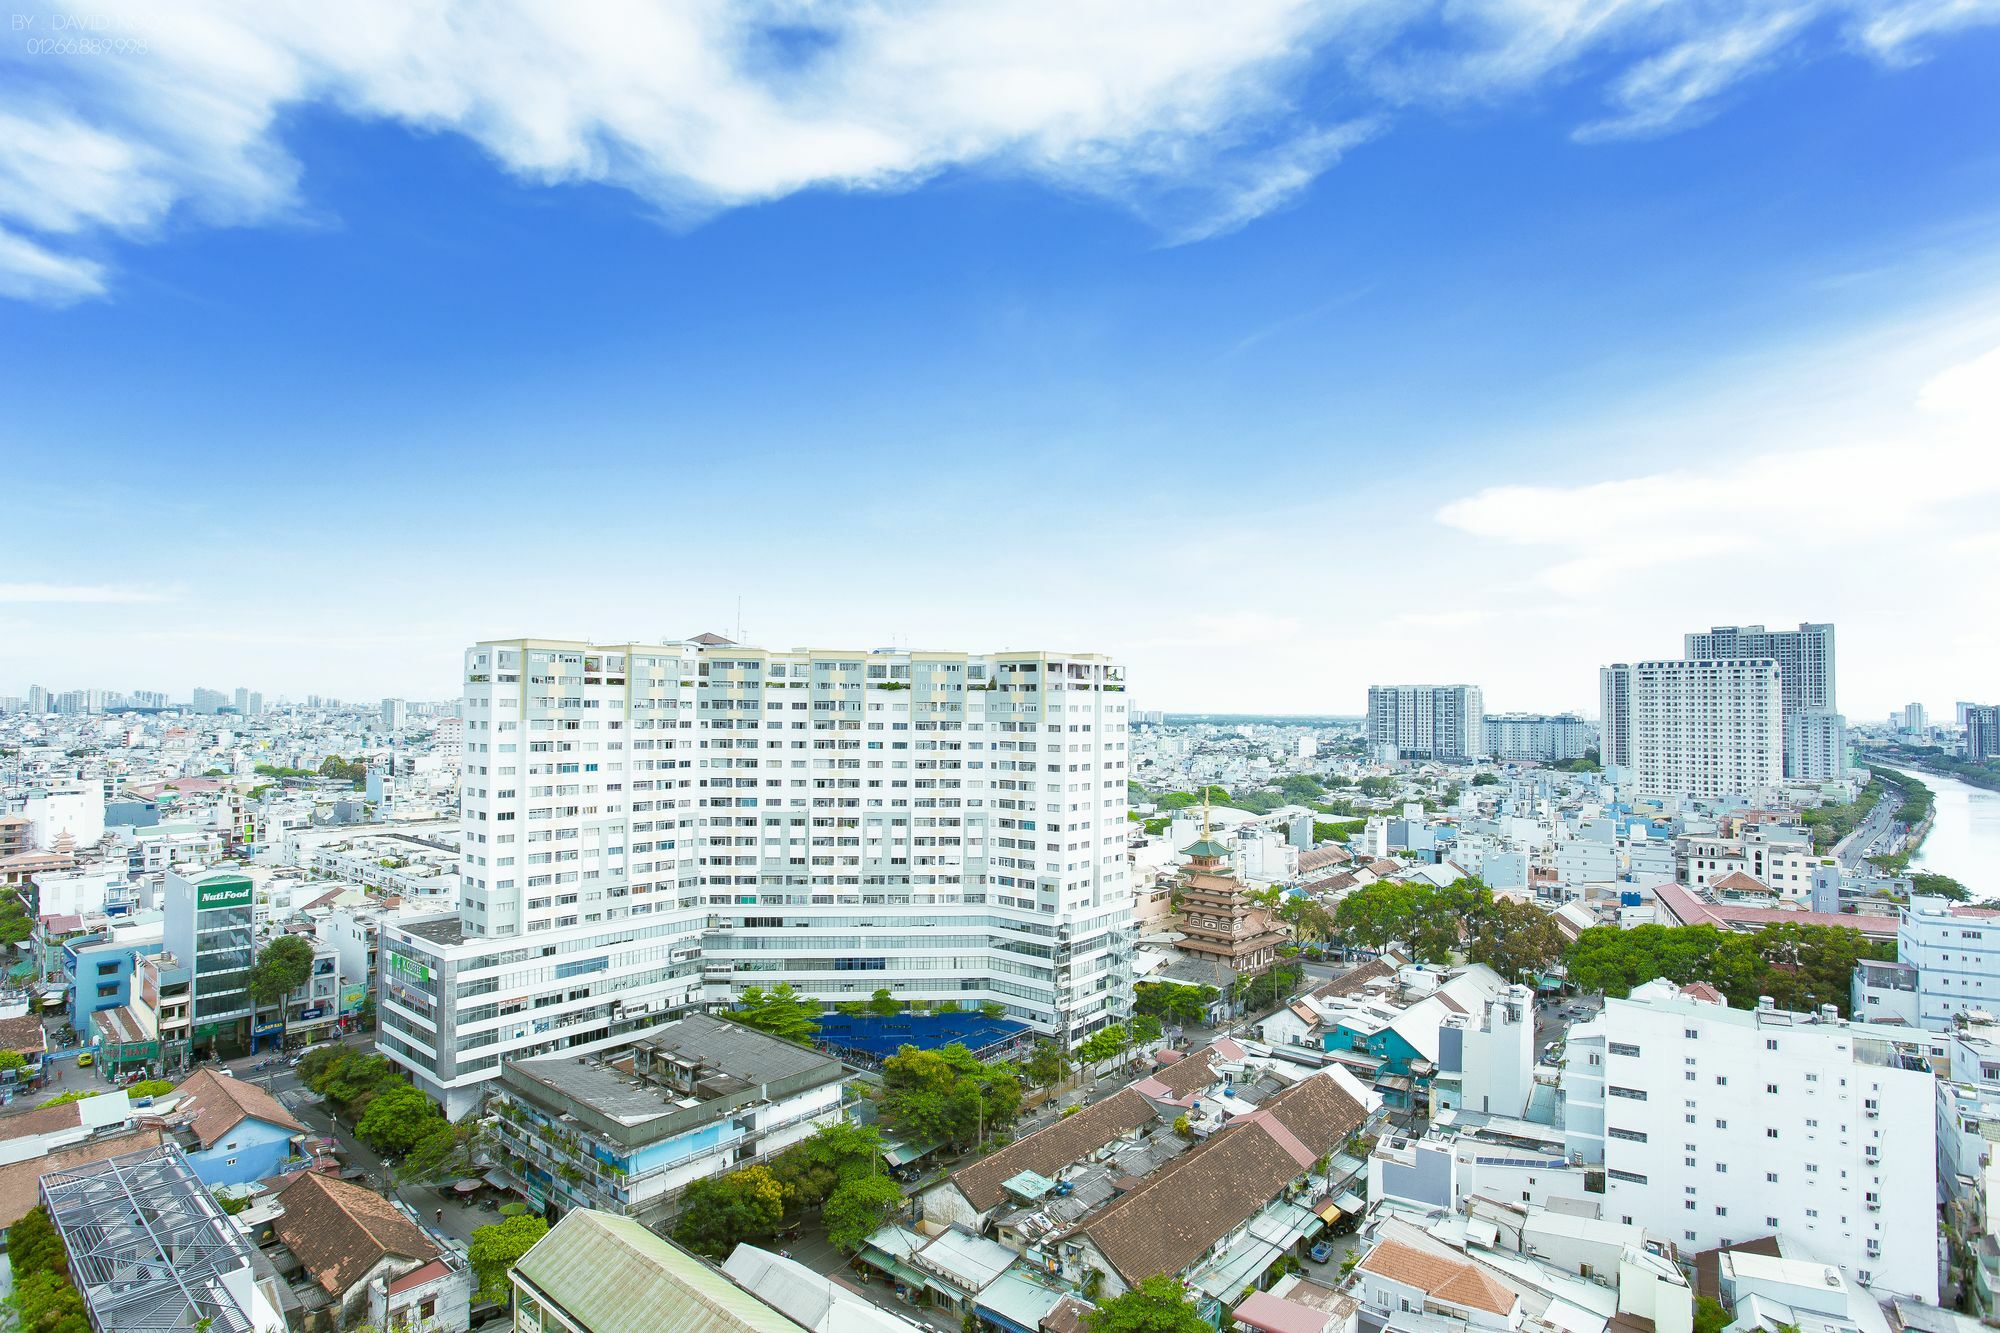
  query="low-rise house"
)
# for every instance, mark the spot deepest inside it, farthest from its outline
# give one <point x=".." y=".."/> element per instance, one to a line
<point x="625" y="1124"/>
<point x="1031" y="1169"/>
<point x="1465" y="1154"/>
<point x="19" y="1180"/>
<point x="33" y="1134"/>
<point x="1222" y="1214"/>
<point x="1294" y="1305"/>
<point x="1399" y="1284"/>
<point x="368" y="1260"/>
<point x="149" y="1247"/>
<point x="599" y="1273"/>
<point x="233" y="1131"/>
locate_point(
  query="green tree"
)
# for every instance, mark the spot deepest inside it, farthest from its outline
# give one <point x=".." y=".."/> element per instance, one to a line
<point x="1173" y="1001"/>
<point x="1311" y="923"/>
<point x="1158" y="1304"/>
<point x="1807" y="966"/>
<point x="42" y="1301"/>
<point x="282" y="967"/>
<point x="1614" y="960"/>
<point x="883" y="1004"/>
<point x="497" y="1248"/>
<point x="347" y="1078"/>
<point x="47" y="1303"/>
<point x="1486" y="780"/>
<point x="780" y="1012"/>
<point x="1517" y="940"/>
<point x="398" y="1119"/>
<point x="12" y="1060"/>
<point x="1145" y="1029"/>
<point x="813" y="1168"/>
<point x="858" y="1208"/>
<point x="1106" y="1043"/>
<point x="150" y="1087"/>
<point x="16" y="924"/>
<point x="721" y="1212"/>
<point x="1046" y="1065"/>
<point x="63" y="1099"/>
<point x="1709" y="1315"/>
<point x="948" y="1095"/>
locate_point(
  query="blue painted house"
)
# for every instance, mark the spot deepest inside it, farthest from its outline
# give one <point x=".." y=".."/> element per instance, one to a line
<point x="99" y="971"/>
<point x="240" y="1133"/>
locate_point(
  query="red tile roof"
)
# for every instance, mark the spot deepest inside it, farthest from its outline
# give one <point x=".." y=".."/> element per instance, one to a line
<point x="220" y="1104"/>
<point x="1688" y="910"/>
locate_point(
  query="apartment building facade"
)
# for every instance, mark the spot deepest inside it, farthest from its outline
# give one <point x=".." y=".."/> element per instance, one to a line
<point x="1427" y="721"/>
<point x="1717" y="1125"/>
<point x="1805" y="658"/>
<point x="1707" y="729"/>
<point x="1545" y="737"/>
<point x="650" y="827"/>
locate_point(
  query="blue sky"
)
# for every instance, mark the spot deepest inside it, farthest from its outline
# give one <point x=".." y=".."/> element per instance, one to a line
<point x="1278" y="350"/>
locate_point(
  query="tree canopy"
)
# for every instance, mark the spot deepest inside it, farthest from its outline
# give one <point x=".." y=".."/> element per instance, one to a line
<point x="42" y="1299"/>
<point x="1158" y="1304"/>
<point x="857" y="1209"/>
<point x="780" y="1012"/>
<point x="720" y="1212"/>
<point x="948" y="1095"/>
<point x="398" y="1119"/>
<point x="498" y="1247"/>
<point x="1517" y="940"/>
<point x="1798" y="966"/>
<point x="348" y="1078"/>
<point x="1174" y="1002"/>
<point x="282" y="967"/>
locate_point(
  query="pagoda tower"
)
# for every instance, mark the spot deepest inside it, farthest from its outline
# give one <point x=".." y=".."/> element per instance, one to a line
<point x="1219" y="922"/>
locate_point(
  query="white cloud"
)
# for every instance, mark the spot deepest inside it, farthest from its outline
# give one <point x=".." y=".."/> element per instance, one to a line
<point x="76" y="594"/>
<point x="1189" y="112"/>
<point x="1680" y="84"/>
<point x="1765" y="510"/>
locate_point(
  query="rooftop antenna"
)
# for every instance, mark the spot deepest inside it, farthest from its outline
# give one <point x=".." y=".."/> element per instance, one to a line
<point x="739" y="618"/>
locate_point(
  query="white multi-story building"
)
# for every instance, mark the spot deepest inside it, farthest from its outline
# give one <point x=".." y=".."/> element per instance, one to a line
<point x="1717" y="1125"/>
<point x="1955" y="950"/>
<point x="1547" y="737"/>
<point x="1705" y="729"/>
<point x="1614" y="716"/>
<point x="1815" y="745"/>
<point x="646" y="827"/>
<point x="1427" y="721"/>
<point x="1805" y="663"/>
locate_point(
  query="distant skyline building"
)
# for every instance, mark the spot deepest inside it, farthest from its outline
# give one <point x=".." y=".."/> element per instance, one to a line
<point x="1815" y="745"/>
<point x="1614" y="714"/>
<point x="1916" y="719"/>
<point x="395" y="712"/>
<point x="1703" y="729"/>
<point x="1805" y="658"/>
<point x="1548" y="738"/>
<point x="647" y="827"/>
<point x="1427" y="721"/>
<point x="207" y="701"/>
<point x="1982" y="732"/>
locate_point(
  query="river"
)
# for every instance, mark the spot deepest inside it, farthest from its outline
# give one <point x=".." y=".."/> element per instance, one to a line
<point x="1964" y="842"/>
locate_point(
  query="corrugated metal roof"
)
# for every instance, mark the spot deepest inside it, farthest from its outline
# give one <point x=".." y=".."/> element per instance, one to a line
<point x="612" y="1275"/>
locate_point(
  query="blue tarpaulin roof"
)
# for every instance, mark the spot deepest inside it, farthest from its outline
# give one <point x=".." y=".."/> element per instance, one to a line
<point x="881" y="1036"/>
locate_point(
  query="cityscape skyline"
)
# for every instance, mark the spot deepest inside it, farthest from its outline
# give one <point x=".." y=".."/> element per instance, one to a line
<point x="1547" y="391"/>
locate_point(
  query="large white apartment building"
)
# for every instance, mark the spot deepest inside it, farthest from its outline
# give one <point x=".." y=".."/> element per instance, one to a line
<point x="1805" y="667"/>
<point x="1427" y="721"/>
<point x="650" y="827"/>
<point x="1705" y="729"/>
<point x="1547" y="737"/>
<point x="1717" y="1125"/>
